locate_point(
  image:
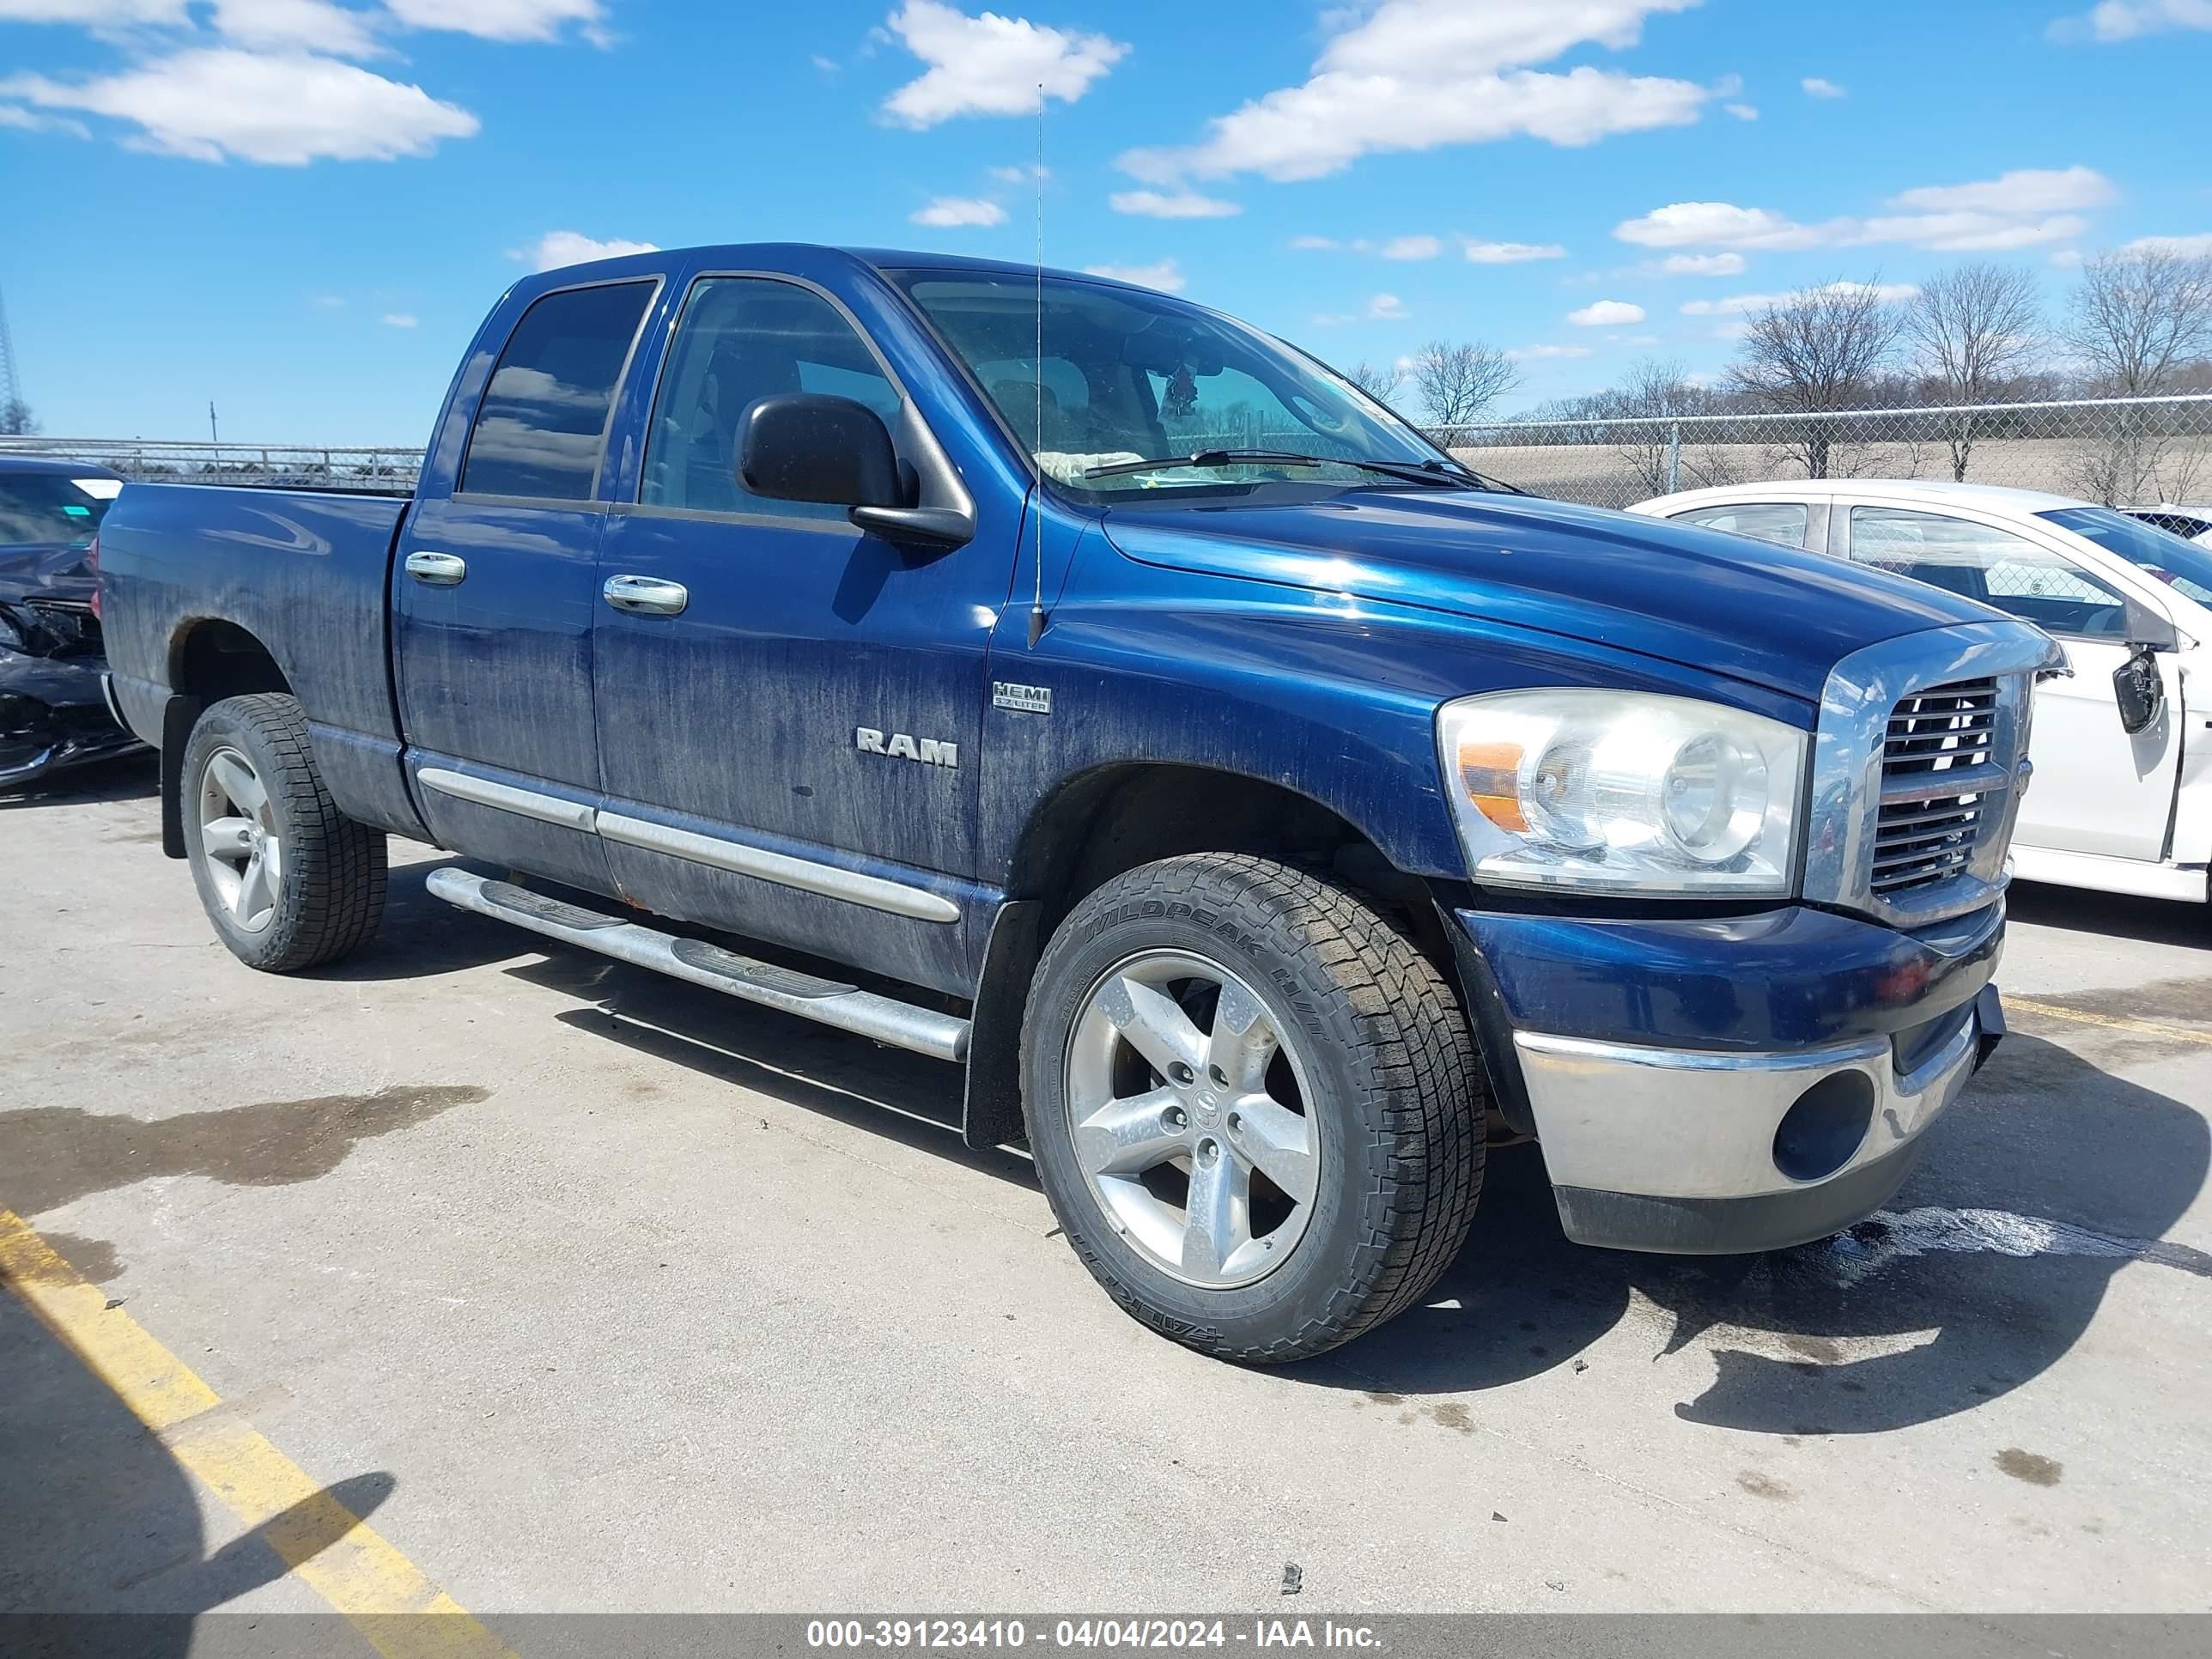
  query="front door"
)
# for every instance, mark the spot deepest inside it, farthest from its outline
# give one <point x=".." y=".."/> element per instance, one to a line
<point x="2096" y="789"/>
<point x="494" y="592"/>
<point x="788" y="708"/>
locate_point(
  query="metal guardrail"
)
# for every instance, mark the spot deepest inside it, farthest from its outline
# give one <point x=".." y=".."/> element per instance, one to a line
<point x="2123" y="451"/>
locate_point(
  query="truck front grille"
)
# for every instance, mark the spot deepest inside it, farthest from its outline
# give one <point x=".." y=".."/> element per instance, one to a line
<point x="1937" y="763"/>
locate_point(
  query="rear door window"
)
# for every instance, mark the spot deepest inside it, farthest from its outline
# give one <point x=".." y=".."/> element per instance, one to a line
<point x="543" y="424"/>
<point x="1780" y="522"/>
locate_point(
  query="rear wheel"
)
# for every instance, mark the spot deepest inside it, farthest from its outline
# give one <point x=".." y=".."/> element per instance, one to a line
<point x="1253" y="1105"/>
<point x="289" y="881"/>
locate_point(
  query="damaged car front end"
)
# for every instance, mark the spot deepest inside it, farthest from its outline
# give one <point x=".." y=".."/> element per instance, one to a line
<point x="53" y="708"/>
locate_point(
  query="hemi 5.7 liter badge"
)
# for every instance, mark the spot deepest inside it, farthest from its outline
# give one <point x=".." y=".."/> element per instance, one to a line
<point x="1030" y="699"/>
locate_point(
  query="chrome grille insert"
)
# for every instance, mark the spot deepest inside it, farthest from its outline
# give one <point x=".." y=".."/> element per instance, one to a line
<point x="1935" y="767"/>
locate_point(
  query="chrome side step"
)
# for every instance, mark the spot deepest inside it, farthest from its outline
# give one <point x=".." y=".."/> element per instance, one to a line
<point x="943" y="1037"/>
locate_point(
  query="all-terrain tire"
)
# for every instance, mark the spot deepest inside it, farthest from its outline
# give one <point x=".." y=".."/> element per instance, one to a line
<point x="328" y="892"/>
<point x="1394" y="1096"/>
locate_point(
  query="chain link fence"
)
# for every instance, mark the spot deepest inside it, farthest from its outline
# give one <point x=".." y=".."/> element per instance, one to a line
<point x="2125" y="452"/>
<point x="2122" y="451"/>
<point x="290" y="466"/>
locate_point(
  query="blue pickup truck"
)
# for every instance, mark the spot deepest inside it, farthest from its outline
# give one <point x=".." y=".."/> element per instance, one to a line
<point x="1079" y="685"/>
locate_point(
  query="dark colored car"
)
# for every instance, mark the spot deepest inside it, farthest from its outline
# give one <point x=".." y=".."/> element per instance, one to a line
<point x="53" y="711"/>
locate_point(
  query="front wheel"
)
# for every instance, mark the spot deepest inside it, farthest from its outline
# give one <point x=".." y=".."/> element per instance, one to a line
<point x="289" y="881"/>
<point x="1253" y="1106"/>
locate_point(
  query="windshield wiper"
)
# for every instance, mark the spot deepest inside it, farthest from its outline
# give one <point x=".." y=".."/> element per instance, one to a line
<point x="1423" y="472"/>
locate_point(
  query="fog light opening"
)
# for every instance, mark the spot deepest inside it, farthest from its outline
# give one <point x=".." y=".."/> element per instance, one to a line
<point x="1827" y="1127"/>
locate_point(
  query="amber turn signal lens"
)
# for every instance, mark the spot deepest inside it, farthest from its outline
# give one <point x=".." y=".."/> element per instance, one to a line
<point x="1490" y="772"/>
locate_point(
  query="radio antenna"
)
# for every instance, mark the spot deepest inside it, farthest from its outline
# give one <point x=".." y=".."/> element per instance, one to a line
<point x="1036" y="602"/>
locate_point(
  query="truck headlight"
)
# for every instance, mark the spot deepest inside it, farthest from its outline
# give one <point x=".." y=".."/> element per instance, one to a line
<point x="1623" y="791"/>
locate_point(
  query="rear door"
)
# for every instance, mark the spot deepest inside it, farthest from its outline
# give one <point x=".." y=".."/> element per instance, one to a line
<point x="2096" y="789"/>
<point x="495" y="591"/>
<point x="788" y="730"/>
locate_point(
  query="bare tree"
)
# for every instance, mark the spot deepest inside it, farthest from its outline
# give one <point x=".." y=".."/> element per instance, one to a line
<point x="1973" y="330"/>
<point x="16" y="420"/>
<point x="2137" y="320"/>
<point x="1657" y="391"/>
<point x="1458" y="382"/>
<point x="1814" y="352"/>
<point x="1378" y="381"/>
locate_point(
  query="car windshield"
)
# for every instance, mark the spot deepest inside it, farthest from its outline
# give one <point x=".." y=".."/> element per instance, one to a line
<point x="1128" y="376"/>
<point x="2183" y="565"/>
<point x="50" y="508"/>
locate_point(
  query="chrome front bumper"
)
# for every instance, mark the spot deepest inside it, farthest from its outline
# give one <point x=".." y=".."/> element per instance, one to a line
<point x="1694" y="1150"/>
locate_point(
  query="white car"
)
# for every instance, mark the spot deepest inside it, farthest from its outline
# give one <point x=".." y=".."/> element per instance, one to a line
<point x="2191" y="524"/>
<point x="2121" y="798"/>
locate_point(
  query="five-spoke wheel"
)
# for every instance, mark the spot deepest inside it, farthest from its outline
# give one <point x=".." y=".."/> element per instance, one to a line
<point x="1188" y="1112"/>
<point x="239" y="835"/>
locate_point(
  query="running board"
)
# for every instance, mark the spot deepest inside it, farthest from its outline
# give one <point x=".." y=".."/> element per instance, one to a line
<point x="848" y="1007"/>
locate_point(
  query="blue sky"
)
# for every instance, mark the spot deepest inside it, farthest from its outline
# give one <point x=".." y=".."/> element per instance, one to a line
<point x="300" y="207"/>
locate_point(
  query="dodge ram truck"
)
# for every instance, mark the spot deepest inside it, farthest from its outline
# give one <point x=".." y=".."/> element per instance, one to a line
<point x="1085" y="687"/>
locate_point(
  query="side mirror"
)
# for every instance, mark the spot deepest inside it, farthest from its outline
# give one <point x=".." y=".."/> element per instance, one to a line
<point x="809" y="446"/>
<point x="2138" y="688"/>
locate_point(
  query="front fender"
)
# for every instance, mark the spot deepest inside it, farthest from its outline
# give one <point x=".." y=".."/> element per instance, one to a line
<point x="1328" y="695"/>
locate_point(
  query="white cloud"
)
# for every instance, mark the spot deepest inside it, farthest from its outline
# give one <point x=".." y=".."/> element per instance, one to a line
<point x="24" y="120"/>
<point x="285" y="109"/>
<point x="2188" y="247"/>
<point x="988" y="64"/>
<point x="1020" y="175"/>
<point x="1163" y="276"/>
<point x="1388" y="307"/>
<point x="557" y="248"/>
<point x="1415" y="75"/>
<point x="1531" y="353"/>
<point x="2067" y="258"/>
<point x="1312" y="243"/>
<point x="1412" y="248"/>
<point x="1743" y="303"/>
<point x="2015" y="209"/>
<point x="1512" y="254"/>
<point x="1179" y="205"/>
<point x="1696" y="265"/>
<point x="1816" y="88"/>
<point x="293" y="25"/>
<point x="1742" y="111"/>
<point x="329" y="302"/>
<point x="399" y="320"/>
<point x="93" y="14"/>
<point x="1606" y="313"/>
<point x="968" y="210"/>
<point x="827" y="65"/>
<point x="503" y="20"/>
<point x="2027" y="191"/>
<point x="2125" y="19"/>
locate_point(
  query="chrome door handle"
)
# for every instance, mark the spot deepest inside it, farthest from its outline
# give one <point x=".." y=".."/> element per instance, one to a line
<point x="646" y="596"/>
<point x="437" y="569"/>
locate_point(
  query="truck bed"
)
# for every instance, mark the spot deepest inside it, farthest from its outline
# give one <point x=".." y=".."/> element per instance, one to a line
<point x="305" y="571"/>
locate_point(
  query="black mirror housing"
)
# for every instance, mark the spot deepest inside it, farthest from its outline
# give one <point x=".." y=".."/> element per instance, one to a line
<point x="809" y="447"/>
<point x="2138" y="690"/>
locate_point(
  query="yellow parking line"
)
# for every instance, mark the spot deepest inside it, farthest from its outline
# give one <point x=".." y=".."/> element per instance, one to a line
<point x="378" y="1589"/>
<point x="2111" y="1022"/>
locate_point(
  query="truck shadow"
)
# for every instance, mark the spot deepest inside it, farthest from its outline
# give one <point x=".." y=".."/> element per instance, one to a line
<point x="103" y="1520"/>
<point x="1902" y="1321"/>
<point x="1920" y="1313"/>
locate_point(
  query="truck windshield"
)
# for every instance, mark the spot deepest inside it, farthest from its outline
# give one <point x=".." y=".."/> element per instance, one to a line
<point x="49" y="509"/>
<point x="1126" y="375"/>
<point x="2182" y="565"/>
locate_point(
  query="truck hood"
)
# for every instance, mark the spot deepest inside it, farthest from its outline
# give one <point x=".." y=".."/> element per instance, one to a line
<point x="1773" y="615"/>
<point x="46" y="572"/>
